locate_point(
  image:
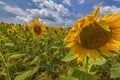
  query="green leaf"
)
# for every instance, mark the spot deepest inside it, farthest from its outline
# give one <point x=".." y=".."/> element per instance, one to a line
<point x="56" y="52"/>
<point x="115" y="71"/>
<point x="65" y="77"/>
<point x="27" y="74"/>
<point x="9" y="44"/>
<point x="82" y="75"/>
<point x="68" y="57"/>
<point x="4" y="38"/>
<point x="98" y="61"/>
<point x="54" y="47"/>
<point x="34" y="60"/>
<point x="15" y="56"/>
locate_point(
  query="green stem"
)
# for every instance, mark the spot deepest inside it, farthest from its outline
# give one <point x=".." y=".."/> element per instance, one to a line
<point x="6" y="67"/>
<point x="87" y="65"/>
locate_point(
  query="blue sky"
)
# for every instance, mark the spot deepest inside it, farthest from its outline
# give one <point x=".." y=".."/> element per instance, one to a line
<point x="53" y="12"/>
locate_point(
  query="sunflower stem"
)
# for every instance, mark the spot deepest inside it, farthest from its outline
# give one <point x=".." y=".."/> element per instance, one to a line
<point x="5" y="66"/>
<point x="87" y="65"/>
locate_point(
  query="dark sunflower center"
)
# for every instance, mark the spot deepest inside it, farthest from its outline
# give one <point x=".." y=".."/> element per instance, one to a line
<point x="26" y="28"/>
<point x="37" y="29"/>
<point x="10" y="31"/>
<point x="94" y="36"/>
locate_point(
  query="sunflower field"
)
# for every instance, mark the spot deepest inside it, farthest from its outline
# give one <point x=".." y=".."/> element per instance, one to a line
<point x="89" y="50"/>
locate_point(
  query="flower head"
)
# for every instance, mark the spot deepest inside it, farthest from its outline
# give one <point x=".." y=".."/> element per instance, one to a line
<point x="26" y="28"/>
<point x="91" y="36"/>
<point x="37" y="29"/>
<point x="9" y="31"/>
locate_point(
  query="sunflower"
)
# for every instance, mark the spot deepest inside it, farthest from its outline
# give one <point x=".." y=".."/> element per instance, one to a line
<point x="26" y="28"/>
<point x="46" y="27"/>
<point x="9" y="31"/>
<point x="14" y="29"/>
<point x="92" y="37"/>
<point x="37" y="29"/>
<point x="2" y="23"/>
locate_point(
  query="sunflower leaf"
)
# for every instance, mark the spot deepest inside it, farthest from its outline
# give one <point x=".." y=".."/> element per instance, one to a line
<point x="66" y="77"/>
<point x="35" y="60"/>
<point x="9" y="44"/>
<point x="27" y="74"/>
<point x="115" y="71"/>
<point x="81" y="75"/>
<point x="68" y="57"/>
<point x="14" y="56"/>
<point x="98" y="61"/>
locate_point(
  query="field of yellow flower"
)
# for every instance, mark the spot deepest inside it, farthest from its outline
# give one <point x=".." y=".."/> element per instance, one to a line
<point x="90" y="50"/>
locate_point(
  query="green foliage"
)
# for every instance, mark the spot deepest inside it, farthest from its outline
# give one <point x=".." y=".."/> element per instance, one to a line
<point x="27" y="74"/>
<point x="68" y="57"/>
<point x="98" y="61"/>
<point x="25" y="58"/>
<point x="82" y="75"/>
<point x="115" y="70"/>
<point x="16" y="56"/>
<point x="68" y="78"/>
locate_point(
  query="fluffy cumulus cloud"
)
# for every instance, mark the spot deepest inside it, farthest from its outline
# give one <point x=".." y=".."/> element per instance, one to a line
<point x="108" y="9"/>
<point x="66" y="2"/>
<point x="14" y="10"/>
<point x="81" y="1"/>
<point x="69" y="22"/>
<point x="38" y="0"/>
<point x="2" y="3"/>
<point x="47" y="11"/>
<point x="52" y="6"/>
<point x="116" y="0"/>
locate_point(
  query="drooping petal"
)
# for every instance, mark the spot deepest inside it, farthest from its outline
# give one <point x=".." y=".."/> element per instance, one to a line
<point x="96" y="12"/>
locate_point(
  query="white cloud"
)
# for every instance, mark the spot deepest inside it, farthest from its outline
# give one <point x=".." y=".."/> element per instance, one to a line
<point x="38" y="1"/>
<point x="52" y="6"/>
<point x="47" y="11"/>
<point x="108" y="9"/>
<point x="116" y="0"/>
<point x="44" y="14"/>
<point x="2" y="3"/>
<point x="66" y="2"/>
<point x="81" y="1"/>
<point x="26" y="18"/>
<point x="14" y="10"/>
<point x="29" y="4"/>
<point x="69" y="23"/>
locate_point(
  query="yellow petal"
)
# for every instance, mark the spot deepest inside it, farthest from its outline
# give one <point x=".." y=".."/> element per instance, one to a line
<point x="96" y="11"/>
<point x="94" y="54"/>
<point x="110" y="46"/>
<point x="106" y="53"/>
<point x="116" y="37"/>
<point x="104" y="25"/>
<point x="107" y="17"/>
<point x="89" y="19"/>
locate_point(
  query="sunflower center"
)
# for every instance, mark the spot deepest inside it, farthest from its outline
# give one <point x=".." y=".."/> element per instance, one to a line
<point x="10" y="32"/>
<point x="26" y="28"/>
<point x="37" y="29"/>
<point x="94" y="36"/>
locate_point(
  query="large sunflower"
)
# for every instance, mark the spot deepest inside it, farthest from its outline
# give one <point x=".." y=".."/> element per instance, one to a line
<point x="93" y="37"/>
<point x="37" y="29"/>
